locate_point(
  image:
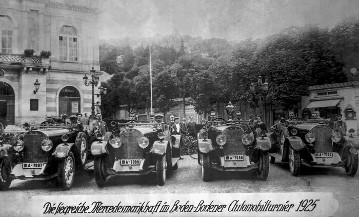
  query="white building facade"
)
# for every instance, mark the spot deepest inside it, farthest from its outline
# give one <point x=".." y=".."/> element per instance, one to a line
<point x="69" y="30"/>
<point x="329" y="100"/>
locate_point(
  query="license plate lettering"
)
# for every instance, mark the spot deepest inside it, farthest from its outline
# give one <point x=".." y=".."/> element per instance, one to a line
<point x="324" y="155"/>
<point x="33" y="165"/>
<point x="234" y="158"/>
<point x="125" y="162"/>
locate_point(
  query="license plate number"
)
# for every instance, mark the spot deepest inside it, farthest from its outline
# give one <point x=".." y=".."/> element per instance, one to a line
<point x="131" y="162"/>
<point x="33" y="165"/>
<point x="234" y="157"/>
<point x="325" y="155"/>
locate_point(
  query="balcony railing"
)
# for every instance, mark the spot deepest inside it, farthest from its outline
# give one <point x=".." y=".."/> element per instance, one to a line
<point x="29" y="63"/>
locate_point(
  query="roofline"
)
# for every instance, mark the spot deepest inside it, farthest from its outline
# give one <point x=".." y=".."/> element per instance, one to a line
<point x="335" y="85"/>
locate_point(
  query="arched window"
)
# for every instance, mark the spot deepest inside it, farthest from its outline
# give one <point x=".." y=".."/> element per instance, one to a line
<point x="68" y="44"/>
<point x="6" y="30"/>
<point x="69" y="101"/>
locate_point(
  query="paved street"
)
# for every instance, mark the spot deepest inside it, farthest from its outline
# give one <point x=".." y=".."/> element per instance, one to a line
<point x="187" y="180"/>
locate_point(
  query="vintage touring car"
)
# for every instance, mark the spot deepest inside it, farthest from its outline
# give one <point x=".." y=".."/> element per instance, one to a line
<point x="312" y="143"/>
<point x="134" y="149"/>
<point x="39" y="153"/>
<point x="231" y="146"/>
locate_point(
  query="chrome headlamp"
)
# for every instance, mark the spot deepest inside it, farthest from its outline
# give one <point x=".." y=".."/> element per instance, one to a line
<point x="115" y="142"/>
<point x="221" y="139"/>
<point x="247" y="139"/>
<point x="19" y="145"/>
<point x="310" y="137"/>
<point x="143" y="142"/>
<point x="294" y="132"/>
<point x="46" y="144"/>
<point x="64" y="138"/>
<point x="336" y="136"/>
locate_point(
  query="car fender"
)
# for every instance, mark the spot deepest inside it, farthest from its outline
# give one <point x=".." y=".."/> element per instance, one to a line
<point x="62" y="150"/>
<point x="98" y="148"/>
<point x="263" y="143"/>
<point x="159" y="147"/>
<point x="205" y="146"/>
<point x="177" y="141"/>
<point x="295" y="142"/>
<point x="348" y="147"/>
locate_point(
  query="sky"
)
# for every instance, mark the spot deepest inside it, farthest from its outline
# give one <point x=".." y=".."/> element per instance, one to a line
<point x="233" y="20"/>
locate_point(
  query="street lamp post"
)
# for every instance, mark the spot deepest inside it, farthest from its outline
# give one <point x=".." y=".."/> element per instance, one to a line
<point x="260" y="85"/>
<point x="93" y="82"/>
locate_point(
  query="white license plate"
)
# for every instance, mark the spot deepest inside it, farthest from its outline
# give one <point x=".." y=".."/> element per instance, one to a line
<point x="326" y="155"/>
<point x="234" y="157"/>
<point x="33" y="165"/>
<point x="131" y="162"/>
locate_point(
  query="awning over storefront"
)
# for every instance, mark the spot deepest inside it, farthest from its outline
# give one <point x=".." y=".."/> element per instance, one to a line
<point x="324" y="103"/>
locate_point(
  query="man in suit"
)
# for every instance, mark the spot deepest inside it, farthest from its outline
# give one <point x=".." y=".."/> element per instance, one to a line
<point x="340" y="126"/>
<point x="184" y="126"/>
<point x="176" y="127"/>
<point x="191" y="126"/>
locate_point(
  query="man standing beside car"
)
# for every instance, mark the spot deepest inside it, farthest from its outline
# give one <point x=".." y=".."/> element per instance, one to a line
<point x="340" y="126"/>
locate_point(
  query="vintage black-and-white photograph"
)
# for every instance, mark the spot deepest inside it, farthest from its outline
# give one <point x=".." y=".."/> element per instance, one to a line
<point x="179" y="107"/>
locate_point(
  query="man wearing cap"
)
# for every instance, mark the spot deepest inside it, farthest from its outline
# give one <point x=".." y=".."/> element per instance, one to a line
<point x="158" y="121"/>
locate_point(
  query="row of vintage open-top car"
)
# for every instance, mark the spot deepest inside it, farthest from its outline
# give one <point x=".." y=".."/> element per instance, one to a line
<point x="57" y="152"/>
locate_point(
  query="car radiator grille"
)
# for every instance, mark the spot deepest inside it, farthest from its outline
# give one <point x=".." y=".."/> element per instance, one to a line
<point x="129" y="148"/>
<point x="323" y="141"/>
<point x="234" y="143"/>
<point x="33" y="152"/>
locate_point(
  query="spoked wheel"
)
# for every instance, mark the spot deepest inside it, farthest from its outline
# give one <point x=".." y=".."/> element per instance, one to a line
<point x="161" y="170"/>
<point x="67" y="171"/>
<point x="206" y="168"/>
<point x="263" y="167"/>
<point x="100" y="171"/>
<point x="192" y="149"/>
<point x="294" y="162"/>
<point x="5" y="179"/>
<point x="351" y="167"/>
<point x="169" y="159"/>
<point x="82" y="147"/>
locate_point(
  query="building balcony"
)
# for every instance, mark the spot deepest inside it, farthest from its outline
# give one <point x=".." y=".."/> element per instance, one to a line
<point x="17" y="61"/>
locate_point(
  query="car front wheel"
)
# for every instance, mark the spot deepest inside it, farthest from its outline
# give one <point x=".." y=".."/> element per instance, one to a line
<point x="294" y="162"/>
<point x="351" y="167"/>
<point x="263" y="167"/>
<point x="5" y="179"/>
<point x="206" y="168"/>
<point x="161" y="170"/>
<point x="100" y="171"/>
<point x="81" y="144"/>
<point x="67" y="171"/>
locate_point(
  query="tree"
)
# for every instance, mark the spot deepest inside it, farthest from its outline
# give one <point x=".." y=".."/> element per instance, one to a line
<point x="164" y="92"/>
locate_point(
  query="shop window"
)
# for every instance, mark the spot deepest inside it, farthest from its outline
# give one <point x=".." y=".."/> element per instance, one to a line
<point x="34" y="105"/>
<point x="68" y="44"/>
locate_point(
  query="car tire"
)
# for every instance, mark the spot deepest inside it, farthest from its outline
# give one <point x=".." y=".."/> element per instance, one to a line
<point x="206" y="168"/>
<point x="67" y="171"/>
<point x="272" y="160"/>
<point x="100" y="171"/>
<point x="294" y="162"/>
<point x="81" y="144"/>
<point x="161" y="170"/>
<point x="263" y="167"/>
<point x="5" y="179"/>
<point x="351" y="167"/>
